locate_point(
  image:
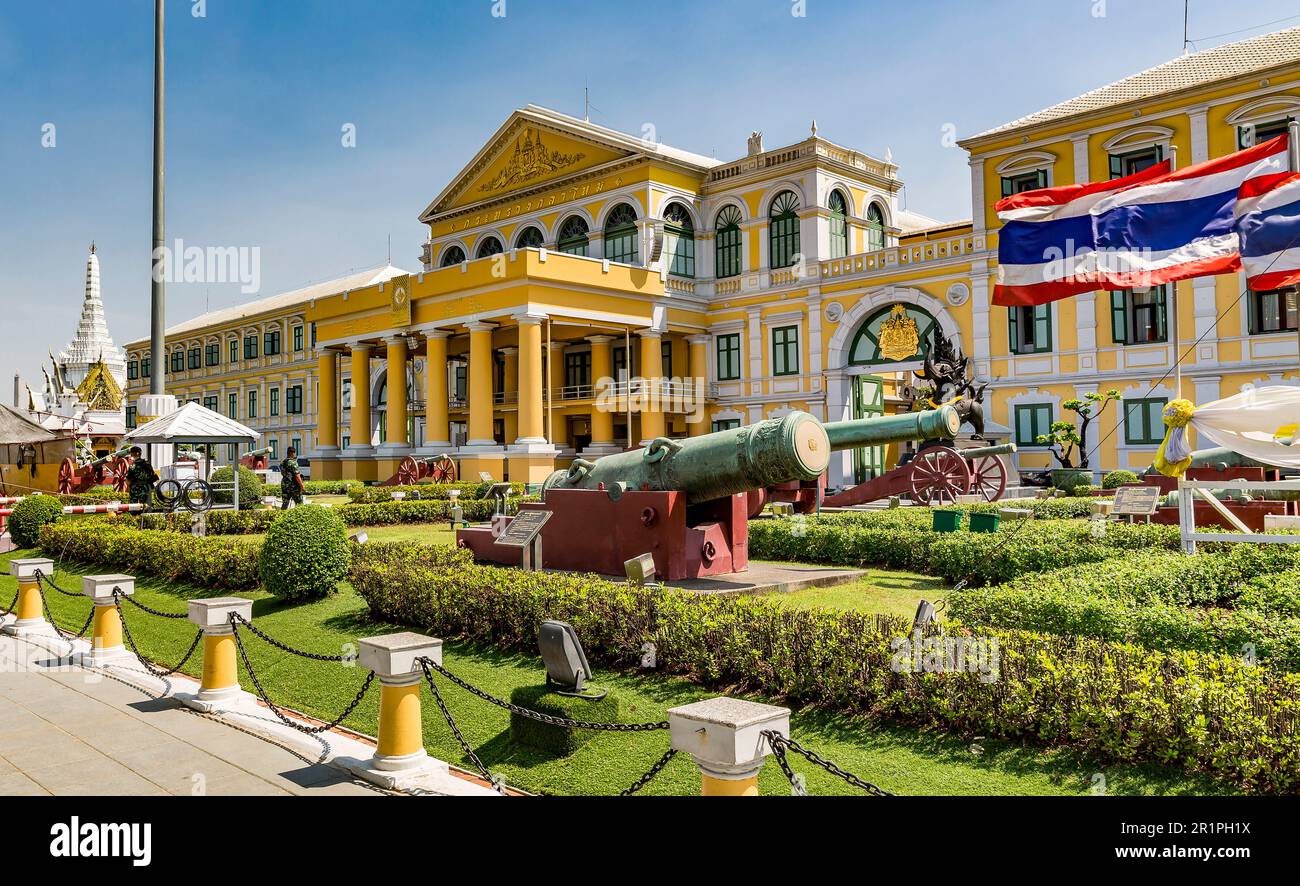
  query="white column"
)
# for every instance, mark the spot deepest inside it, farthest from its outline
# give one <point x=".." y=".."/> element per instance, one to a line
<point x="977" y="195"/>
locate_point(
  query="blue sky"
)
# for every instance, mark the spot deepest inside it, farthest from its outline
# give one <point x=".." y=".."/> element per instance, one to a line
<point x="259" y="90"/>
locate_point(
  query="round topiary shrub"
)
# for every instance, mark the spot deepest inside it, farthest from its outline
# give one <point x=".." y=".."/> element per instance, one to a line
<point x="1082" y="489"/>
<point x="1116" y="479"/>
<point x="305" y="553"/>
<point x="250" y="488"/>
<point x="30" y="515"/>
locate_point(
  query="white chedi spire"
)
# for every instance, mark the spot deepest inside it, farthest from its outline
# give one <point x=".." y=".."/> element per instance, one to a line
<point x="92" y="340"/>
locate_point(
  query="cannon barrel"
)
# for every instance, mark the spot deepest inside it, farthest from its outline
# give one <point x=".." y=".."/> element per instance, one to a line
<point x="711" y="466"/>
<point x="929" y="424"/>
<point x="121" y="453"/>
<point x="266" y="450"/>
<point x="982" y="451"/>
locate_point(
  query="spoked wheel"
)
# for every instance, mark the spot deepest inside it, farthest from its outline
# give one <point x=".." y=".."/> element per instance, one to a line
<point x="442" y="470"/>
<point x="408" y="472"/>
<point x="67" y="473"/>
<point x="939" y="475"/>
<point x="196" y="496"/>
<point x="989" y="477"/>
<point x="168" y="494"/>
<point x="117" y="471"/>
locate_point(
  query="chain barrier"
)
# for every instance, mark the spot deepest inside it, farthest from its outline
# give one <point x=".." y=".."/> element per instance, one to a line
<point x="497" y="783"/>
<point x="130" y="641"/>
<point x="235" y="620"/>
<point x="537" y="715"/>
<point x="314" y="656"/>
<point x="9" y="610"/>
<point x="138" y="605"/>
<point x="49" y="616"/>
<point x="650" y="773"/>
<point x="43" y="579"/>
<point x="780" y="744"/>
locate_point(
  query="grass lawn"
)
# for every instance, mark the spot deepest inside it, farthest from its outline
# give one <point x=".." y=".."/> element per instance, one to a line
<point x="423" y="533"/>
<point x="880" y="592"/>
<point x="899" y="759"/>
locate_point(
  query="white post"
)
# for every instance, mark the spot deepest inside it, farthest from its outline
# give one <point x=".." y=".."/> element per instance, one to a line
<point x="1186" y="517"/>
<point x="725" y="738"/>
<point x="1293" y="154"/>
<point x="106" y="625"/>
<point x="29" y="614"/>
<point x="1173" y="305"/>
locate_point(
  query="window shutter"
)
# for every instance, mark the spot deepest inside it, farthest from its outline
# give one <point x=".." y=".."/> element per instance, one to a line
<point x="1118" y="317"/>
<point x="1116" y="166"/>
<point x="1013" y="324"/>
<point x="1161" y="316"/>
<point x="1006" y="187"/>
<point x="1042" y="178"/>
<point x="1043" y="328"/>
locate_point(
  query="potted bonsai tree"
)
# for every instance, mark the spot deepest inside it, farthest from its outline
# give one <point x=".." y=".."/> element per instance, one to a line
<point x="1065" y="439"/>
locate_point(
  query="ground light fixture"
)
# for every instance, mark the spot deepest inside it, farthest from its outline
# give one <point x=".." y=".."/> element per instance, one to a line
<point x="566" y="663"/>
<point x="641" y="570"/>
<point x="359" y="538"/>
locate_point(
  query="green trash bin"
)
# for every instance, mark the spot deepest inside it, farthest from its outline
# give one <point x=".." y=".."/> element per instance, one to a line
<point x="982" y="522"/>
<point x="947" y="521"/>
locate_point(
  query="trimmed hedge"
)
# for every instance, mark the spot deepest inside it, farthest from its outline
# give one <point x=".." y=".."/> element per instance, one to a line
<point x="1202" y="712"/>
<point x="219" y="564"/>
<point x="316" y="487"/>
<point x="1116" y="479"/>
<point x="901" y="540"/>
<point x="423" y="511"/>
<point x="30" y="515"/>
<point x="422" y="491"/>
<point x="305" y="554"/>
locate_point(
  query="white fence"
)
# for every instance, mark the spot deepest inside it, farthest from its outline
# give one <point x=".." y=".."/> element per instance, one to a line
<point x="1190" y="491"/>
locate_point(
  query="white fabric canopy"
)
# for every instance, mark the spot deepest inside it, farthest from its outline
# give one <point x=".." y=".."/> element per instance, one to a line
<point x="1258" y="423"/>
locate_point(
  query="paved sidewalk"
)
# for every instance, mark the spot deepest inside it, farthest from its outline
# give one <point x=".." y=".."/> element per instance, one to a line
<point x="68" y="731"/>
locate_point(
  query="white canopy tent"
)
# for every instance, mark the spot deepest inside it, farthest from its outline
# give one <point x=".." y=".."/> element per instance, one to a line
<point x="194" y="425"/>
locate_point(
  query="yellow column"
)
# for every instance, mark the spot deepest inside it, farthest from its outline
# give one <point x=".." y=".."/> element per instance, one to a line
<point x="361" y="429"/>
<point x="398" y="415"/>
<point x="480" y="384"/>
<point x="697" y="422"/>
<point x="557" y="429"/>
<point x="436" y="433"/>
<point x="29" y="613"/>
<point x="396" y="659"/>
<point x="219" y="683"/>
<point x="652" y="418"/>
<point x="400" y="729"/>
<point x="327" y="400"/>
<point x="721" y="787"/>
<point x="531" y="425"/>
<point x="602" y="367"/>
<point x="510" y="357"/>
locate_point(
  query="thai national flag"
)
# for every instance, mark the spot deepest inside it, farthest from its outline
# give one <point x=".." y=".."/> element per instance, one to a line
<point x="1145" y="230"/>
<point x="1268" y="220"/>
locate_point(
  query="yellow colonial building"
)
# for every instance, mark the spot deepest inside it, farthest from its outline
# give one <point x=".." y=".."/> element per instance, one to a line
<point x="1193" y="108"/>
<point x="583" y="290"/>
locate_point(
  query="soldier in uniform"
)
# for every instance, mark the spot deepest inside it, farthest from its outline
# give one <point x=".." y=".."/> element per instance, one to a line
<point x="291" y="485"/>
<point x="141" y="477"/>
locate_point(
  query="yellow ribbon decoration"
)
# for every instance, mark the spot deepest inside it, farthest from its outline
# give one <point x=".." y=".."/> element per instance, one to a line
<point x="1174" y="456"/>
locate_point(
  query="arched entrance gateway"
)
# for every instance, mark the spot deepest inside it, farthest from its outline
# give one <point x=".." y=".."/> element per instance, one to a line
<point x="879" y="343"/>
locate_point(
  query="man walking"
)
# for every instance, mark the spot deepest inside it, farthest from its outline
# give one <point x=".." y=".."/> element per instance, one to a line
<point x="140" y="478"/>
<point x="291" y="485"/>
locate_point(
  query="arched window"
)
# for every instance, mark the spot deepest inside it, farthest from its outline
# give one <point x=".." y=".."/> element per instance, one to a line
<point x="783" y="230"/>
<point x="453" y="255"/>
<point x="726" y="249"/>
<point x="490" y="246"/>
<point x="621" y="235"/>
<point x="679" y="231"/>
<point x="904" y="322"/>
<point x="529" y="237"/>
<point x="839" y="209"/>
<point x="875" y="228"/>
<point x="573" y="236"/>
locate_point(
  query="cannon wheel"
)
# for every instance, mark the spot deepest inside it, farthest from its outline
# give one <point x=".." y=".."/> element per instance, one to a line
<point x="939" y="475"/>
<point x="118" y="469"/>
<point x="67" y="474"/>
<point x="408" y="472"/>
<point x="442" y="470"/>
<point x="989" y="476"/>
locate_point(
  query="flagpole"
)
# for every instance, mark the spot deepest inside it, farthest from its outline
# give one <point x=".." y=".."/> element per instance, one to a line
<point x="1173" y="304"/>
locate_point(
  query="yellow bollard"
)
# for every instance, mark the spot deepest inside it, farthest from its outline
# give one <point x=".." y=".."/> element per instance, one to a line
<point x="399" y="755"/>
<point x="106" y="625"/>
<point x="219" y="685"/>
<point x="725" y="738"/>
<point x="28" y="612"/>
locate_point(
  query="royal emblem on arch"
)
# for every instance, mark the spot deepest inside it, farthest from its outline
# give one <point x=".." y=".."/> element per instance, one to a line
<point x="899" y="337"/>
